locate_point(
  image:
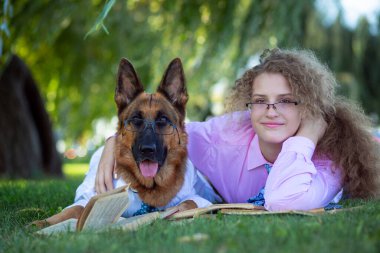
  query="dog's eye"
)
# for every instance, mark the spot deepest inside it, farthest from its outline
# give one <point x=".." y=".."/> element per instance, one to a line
<point x="137" y="122"/>
<point x="162" y="122"/>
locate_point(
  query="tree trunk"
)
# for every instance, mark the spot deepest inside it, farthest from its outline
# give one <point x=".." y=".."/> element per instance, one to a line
<point x="27" y="146"/>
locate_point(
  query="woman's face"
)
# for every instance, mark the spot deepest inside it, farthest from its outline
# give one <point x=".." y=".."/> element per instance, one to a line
<point x="274" y="125"/>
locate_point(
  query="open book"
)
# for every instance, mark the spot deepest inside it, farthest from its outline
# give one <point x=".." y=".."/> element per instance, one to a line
<point x="100" y="211"/>
<point x="104" y="211"/>
<point x="239" y="209"/>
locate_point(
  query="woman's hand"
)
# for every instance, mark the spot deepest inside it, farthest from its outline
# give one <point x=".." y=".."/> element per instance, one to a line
<point x="106" y="167"/>
<point x="313" y="128"/>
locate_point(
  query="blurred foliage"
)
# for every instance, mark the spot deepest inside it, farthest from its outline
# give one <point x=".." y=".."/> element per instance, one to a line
<point x="5" y="14"/>
<point x="214" y="38"/>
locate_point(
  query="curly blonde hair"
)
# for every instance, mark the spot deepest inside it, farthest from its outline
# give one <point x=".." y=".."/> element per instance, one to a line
<point x="347" y="140"/>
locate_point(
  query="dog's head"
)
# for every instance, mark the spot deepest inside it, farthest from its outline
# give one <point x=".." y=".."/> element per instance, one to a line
<point x="151" y="143"/>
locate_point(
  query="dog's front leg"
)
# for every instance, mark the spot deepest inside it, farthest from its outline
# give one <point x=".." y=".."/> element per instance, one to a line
<point x="186" y="205"/>
<point x="72" y="212"/>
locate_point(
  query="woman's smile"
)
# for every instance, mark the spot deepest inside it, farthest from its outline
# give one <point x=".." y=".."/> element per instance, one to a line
<point x="272" y="124"/>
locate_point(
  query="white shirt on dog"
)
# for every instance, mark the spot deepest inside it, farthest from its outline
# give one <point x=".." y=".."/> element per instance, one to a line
<point x="195" y="187"/>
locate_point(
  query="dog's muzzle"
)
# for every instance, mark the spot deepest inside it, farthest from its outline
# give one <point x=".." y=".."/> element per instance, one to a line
<point x="149" y="152"/>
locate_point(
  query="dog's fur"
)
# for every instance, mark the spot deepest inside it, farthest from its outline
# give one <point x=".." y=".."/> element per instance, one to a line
<point x="134" y="148"/>
<point x="169" y="102"/>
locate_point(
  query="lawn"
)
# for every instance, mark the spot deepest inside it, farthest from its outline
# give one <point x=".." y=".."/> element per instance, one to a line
<point x="23" y="201"/>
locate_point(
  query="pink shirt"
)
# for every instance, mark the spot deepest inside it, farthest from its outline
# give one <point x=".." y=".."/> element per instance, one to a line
<point x="226" y="150"/>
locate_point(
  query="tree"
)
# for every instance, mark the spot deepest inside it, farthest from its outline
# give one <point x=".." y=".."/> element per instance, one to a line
<point x="27" y="147"/>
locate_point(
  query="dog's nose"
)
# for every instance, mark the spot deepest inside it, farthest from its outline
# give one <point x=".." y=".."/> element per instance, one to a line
<point x="148" y="149"/>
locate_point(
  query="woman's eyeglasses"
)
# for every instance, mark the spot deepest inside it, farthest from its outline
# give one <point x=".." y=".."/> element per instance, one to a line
<point x="281" y="106"/>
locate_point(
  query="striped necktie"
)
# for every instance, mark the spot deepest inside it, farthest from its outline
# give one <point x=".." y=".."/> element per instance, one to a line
<point x="259" y="200"/>
<point x="144" y="209"/>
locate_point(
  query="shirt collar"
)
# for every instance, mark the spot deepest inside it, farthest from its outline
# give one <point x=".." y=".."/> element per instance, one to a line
<point x="255" y="157"/>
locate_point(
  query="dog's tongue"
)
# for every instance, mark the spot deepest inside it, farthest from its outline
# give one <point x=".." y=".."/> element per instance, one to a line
<point x="148" y="168"/>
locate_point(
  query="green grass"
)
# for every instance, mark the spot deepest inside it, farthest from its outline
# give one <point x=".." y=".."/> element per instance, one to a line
<point x="24" y="201"/>
<point x="75" y="169"/>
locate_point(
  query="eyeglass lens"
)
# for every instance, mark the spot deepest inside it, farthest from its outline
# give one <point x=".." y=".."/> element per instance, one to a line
<point x="159" y="127"/>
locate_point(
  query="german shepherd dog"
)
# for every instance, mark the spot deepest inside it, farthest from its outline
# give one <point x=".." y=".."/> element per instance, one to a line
<point x="151" y="142"/>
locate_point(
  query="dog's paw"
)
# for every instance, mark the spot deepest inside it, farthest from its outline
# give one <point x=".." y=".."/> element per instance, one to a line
<point x="38" y="224"/>
<point x="186" y="205"/>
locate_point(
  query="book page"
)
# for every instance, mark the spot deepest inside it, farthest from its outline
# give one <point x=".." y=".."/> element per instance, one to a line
<point x="133" y="223"/>
<point x="199" y="211"/>
<point x="106" y="211"/>
<point x="62" y="227"/>
<point x="264" y="212"/>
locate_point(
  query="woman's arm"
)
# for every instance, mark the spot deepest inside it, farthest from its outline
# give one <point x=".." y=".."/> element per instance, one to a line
<point x="298" y="183"/>
<point x="105" y="173"/>
<point x="295" y="181"/>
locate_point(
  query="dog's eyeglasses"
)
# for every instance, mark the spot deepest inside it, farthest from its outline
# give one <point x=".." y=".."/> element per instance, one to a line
<point x="161" y="126"/>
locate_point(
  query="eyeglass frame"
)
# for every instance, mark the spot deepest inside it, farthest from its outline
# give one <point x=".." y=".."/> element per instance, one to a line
<point x="148" y="123"/>
<point x="151" y="123"/>
<point x="250" y="104"/>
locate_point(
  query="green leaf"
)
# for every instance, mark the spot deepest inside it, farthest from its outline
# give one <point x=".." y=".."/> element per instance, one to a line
<point x="99" y="21"/>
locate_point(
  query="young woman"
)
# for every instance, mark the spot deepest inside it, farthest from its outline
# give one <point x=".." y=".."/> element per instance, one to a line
<point x="297" y="140"/>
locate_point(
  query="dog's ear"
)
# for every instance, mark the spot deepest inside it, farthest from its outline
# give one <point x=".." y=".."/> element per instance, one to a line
<point x="173" y="85"/>
<point x="128" y="85"/>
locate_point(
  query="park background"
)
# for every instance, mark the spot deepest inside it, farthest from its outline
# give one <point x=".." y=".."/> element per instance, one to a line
<point x="72" y="50"/>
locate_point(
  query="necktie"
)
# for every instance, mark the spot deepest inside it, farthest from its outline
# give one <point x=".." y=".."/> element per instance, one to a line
<point x="259" y="200"/>
<point x="144" y="209"/>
